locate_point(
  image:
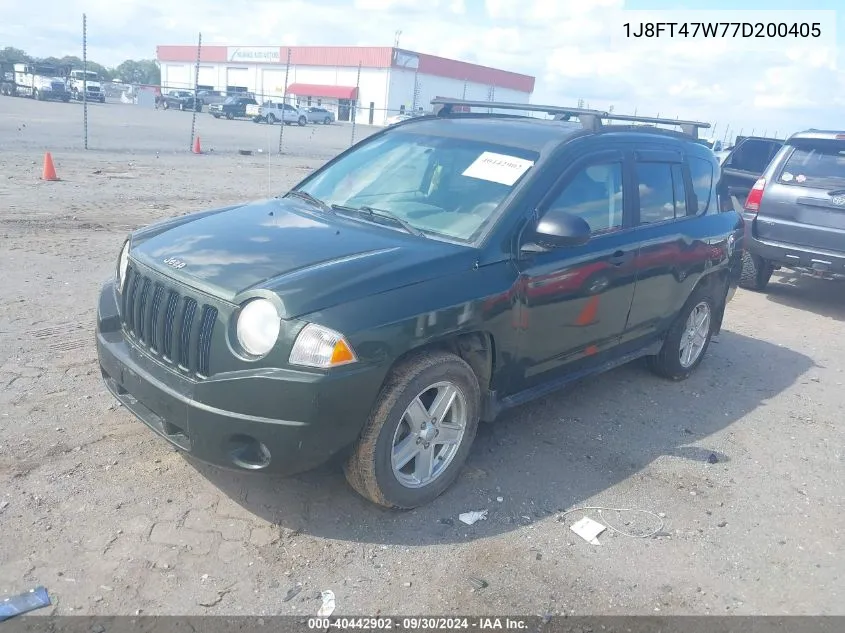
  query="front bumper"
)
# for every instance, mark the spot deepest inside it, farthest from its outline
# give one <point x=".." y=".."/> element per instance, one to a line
<point x="297" y="420"/>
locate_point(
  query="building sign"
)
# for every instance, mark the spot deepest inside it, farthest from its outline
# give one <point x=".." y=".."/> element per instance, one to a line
<point x="265" y="54"/>
<point x="405" y="60"/>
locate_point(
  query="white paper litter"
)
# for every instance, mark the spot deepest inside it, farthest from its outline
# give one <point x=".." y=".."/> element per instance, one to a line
<point x="327" y="607"/>
<point x="588" y="530"/>
<point x="471" y="517"/>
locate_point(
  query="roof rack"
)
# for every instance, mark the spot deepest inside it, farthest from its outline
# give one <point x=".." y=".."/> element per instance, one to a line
<point x="590" y="119"/>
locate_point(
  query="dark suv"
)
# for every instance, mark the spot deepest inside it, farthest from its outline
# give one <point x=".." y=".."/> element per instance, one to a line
<point x="795" y="213"/>
<point x="432" y="275"/>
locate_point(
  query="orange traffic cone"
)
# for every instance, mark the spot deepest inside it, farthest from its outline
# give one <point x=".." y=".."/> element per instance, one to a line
<point x="197" y="147"/>
<point x="49" y="171"/>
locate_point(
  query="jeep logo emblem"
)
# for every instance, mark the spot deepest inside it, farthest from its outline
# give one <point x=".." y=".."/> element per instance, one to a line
<point x="174" y="263"/>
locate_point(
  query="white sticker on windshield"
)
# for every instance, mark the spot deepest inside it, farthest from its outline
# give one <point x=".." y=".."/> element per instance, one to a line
<point x="500" y="168"/>
<point x="786" y="176"/>
<point x="800" y="178"/>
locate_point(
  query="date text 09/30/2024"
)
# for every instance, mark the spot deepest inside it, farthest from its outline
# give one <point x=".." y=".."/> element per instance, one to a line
<point x="418" y="624"/>
<point x="769" y="30"/>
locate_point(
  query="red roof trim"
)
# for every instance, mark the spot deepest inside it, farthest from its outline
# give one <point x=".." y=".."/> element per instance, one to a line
<point x="329" y="92"/>
<point x="367" y="56"/>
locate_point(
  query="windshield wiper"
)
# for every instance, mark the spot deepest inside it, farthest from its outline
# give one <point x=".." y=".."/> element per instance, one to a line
<point x="382" y="213"/>
<point x="836" y="192"/>
<point x="304" y="195"/>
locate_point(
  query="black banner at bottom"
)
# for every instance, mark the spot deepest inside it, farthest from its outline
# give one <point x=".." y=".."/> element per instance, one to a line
<point x="556" y="624"/>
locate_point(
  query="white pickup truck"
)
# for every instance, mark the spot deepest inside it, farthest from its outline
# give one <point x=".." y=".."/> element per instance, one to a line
<point x="271" y="112"/>
<point x="89" y="82"/>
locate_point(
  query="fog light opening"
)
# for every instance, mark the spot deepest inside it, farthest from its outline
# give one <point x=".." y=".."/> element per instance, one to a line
<point x="247" y="452"/>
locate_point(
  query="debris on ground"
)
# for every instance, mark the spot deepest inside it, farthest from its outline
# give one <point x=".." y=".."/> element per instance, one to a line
<point x="477" y="583"/>
<point x="588" y="530"/>
<point x="473" y="516"/>
<point x="23" y="603"/>
<point x="712" y="459"/>
<point x="293" y="592"/>
<point x="327" y="608"/>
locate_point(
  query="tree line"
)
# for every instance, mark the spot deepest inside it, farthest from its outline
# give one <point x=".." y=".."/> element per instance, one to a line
<point x="131" y="71"/>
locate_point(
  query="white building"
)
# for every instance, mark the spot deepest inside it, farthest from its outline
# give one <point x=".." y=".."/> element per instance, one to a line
<point x="391" y="80"/>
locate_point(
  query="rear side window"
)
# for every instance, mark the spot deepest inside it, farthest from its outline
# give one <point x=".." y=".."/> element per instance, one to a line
<point x="661" y="189"/>
<point x="753" y="155"/>
<point x="701" y="172"/>
<point x="816" y="164"/>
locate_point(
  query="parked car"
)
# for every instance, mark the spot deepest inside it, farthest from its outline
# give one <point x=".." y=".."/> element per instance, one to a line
<point x="795" y="212"/>
<point x="271" y="112"/>
<point x="742" y="166"/>
<point x="357" y="316"/>
<point x="232" y="108"/>
<point x="319" y="115"/>
<point x="180" y="100"/>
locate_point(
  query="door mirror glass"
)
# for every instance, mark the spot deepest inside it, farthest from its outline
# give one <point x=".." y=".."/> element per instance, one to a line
<point x="559" y="229"/>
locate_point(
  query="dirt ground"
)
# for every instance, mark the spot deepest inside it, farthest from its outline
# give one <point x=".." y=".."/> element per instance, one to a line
<point x="112" y="521"/>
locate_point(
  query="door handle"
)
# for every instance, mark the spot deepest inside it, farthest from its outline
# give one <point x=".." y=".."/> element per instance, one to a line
<point x="620" y="257"/>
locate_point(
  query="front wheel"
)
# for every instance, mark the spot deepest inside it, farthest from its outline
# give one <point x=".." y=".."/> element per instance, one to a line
<point x="419" y="433"/>
<point x="302" y="121"/>
<point x="230" y="115"/>
<point x="327" y="120"/>
<point x="271" y="118"/>
<point x="688" y="339"/>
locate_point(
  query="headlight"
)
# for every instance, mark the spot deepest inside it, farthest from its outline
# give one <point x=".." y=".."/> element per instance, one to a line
<point x="258" y="327"/>
<point x="318" y="346"/>
<point x="122" y="264"/>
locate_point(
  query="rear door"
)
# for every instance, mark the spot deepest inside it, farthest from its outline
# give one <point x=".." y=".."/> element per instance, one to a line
<point x="804" y="202"/>
<point x="741" y="169"/>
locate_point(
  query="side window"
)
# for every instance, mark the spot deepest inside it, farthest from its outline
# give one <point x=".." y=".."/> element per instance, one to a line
<point x="662" y="195"/>
<point x="702" y="182"/>
<point x="595" y="194"/>
<point x="752" y="156"/>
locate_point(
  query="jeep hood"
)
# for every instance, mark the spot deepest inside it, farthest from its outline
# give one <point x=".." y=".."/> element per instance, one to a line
<point x="312" y="259"/>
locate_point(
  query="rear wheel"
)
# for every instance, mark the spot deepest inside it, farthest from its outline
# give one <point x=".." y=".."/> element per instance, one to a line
<point x="419" y="434"/>
<point x="327" y="120"/>
<point x="756" y="272"/>
<point x="271" y="118"/>
<point x="302" y="121"/>
<point x="230" y="115"/>
<point x="688" y="339"/>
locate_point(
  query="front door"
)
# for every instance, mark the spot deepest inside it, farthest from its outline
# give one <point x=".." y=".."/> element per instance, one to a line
<point x="574" y="302"/>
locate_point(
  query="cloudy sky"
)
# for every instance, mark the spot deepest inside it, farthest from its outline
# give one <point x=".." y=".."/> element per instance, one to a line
<point x="575" y="48"/>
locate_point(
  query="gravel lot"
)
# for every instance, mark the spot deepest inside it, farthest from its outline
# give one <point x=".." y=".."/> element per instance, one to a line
<point x="112" y="521"/>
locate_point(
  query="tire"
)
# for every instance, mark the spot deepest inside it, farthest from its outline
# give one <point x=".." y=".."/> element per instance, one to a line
<point x="165" y="105"/>
<point x="369" y="469"/>
<point x="667" y="363"/>
<point x="230" y="115"/>
<point x="271" y="118"/>
<point x="182" y="106"/>
<point x="756" y="272"/>
<point x="302" y="121"/>
<point x="215" y="115"/>
<point x="327" y="120"/>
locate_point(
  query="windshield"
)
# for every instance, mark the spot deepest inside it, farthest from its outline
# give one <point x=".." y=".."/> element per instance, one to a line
<point x="820" y="164"/>
<point x="439" y="185"/>
<point x="231" y="100"/>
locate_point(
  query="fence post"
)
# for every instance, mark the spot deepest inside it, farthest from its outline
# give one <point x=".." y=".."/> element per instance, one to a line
<point x="355" y="106"/>
<point x="196" y="95"/>
<point x="85" y="77"/>
<point x="284" y="102"/>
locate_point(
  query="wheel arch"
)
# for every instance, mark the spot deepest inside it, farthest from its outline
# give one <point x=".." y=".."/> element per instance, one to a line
<point x="477" y="348"/>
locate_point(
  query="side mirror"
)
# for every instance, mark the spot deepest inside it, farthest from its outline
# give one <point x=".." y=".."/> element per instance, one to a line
<point x="558" y="229"/>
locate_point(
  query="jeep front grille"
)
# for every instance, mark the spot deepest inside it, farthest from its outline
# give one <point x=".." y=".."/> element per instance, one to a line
<point x="167" y="324"/>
